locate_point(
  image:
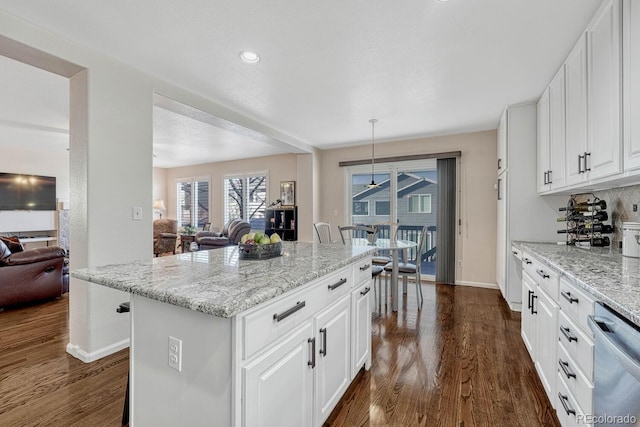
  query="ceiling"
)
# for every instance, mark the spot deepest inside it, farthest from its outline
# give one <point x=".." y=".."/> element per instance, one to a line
<point x="422" y="67"/>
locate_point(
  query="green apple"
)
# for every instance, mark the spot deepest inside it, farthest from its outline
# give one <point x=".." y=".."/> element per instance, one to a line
<point x="275" y="238"/>
<point x="258" y="235"/>
<point x="250" y="236"/>
<point x="264" y="240"/>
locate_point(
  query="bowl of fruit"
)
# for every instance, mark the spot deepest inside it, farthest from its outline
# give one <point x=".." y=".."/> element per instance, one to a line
<point x="260" y="246"/>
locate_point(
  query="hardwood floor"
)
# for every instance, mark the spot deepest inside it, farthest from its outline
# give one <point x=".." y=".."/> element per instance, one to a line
<point x="459" y="361"/>
<point x="42" y="385"/>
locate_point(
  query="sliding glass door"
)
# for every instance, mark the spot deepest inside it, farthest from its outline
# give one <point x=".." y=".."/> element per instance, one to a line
<point x="407" y="193"/>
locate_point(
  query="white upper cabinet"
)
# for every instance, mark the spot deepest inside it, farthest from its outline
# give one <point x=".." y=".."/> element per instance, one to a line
<point x="551" y="136"/>
<point x="603" y="157"/>
<point x="576" y="111"/>
<point x="543" y="168"/>
<point x="502" y="143"/>
<point x="631" y="82"/>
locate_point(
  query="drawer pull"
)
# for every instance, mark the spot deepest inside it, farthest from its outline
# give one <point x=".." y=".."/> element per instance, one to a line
<point x="568" y="297"/>
<point x="565" y="368"/>
<point x="533" y="310"/>
<point x="567" y="334"/>
<point x="365" y="267"/>
<point x="515" y="252"/>
<point x="337" y="285"/>
<point x="543" y="274"/>
<point x="565" y="403"/>
<point x="323" y="349"/>
<point x="526" y="261"/>
<point x="365" y="291"/>
<point x="299" y="306"/>
<point x="530" y="302"/>
<point x="312" y="362"/>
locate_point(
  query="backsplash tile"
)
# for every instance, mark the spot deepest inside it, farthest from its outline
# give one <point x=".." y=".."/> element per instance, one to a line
<point x="620" y="207"/>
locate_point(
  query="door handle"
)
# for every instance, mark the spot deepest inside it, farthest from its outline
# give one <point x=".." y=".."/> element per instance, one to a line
<point x="565" y="403"/>
<point x="365" y="267"/>
<point x="365" y="291"/>
<point x="543" y="274"/>
<point x="546" y="173"/>
<point x="529" y="300"/>
<point x="323" y="349"/>
<point x="312" y="362"/>
<point x="533" y="310"/>
<point x="549" y="177"/>
<point x="499" y="192"/>
<point x="565" y="368"/>
<point x="580" y="157"/>
<point x="586" y="169"/>
<point x="567" y="334"/>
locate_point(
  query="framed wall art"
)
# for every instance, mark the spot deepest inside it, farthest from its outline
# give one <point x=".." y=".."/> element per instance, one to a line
<point x="288" y="193"/>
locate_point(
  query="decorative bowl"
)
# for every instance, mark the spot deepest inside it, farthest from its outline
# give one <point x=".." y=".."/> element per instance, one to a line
<point x="256" y="251"/>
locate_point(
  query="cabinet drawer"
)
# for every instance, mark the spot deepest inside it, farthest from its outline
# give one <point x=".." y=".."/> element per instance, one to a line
<point x="516" y="252"/>
<point x="577" y="383"/>
<point x="270" y="322"/>
<point x="568" y="410"/>
<point x="362" y="271"/>
<point x="546" y="278"/>
<point x="576" y="304"/>
<point x="577" y="344"/>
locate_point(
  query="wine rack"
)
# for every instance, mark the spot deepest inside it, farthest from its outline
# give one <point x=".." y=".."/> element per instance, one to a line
<point x="585" y="216"/>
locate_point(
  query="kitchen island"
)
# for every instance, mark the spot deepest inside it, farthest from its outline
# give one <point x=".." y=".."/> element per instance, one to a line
<point x="216" y="340"/>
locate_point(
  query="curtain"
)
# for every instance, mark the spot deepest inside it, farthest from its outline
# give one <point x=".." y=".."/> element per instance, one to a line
<point x="446" y="220"/>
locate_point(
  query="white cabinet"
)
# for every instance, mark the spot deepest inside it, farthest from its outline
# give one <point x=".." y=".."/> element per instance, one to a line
<point x="631" y="82"/>
<point x="546" y="321"/>
<point x="518" y="204"/>
<point x="576" y="112"/>
<point x="361" y="327"/>
<point x="551" y="135"/>
<point x="333" y="368"/>
<point x="603" y="158"/>
<point x="502" y="143"/>
<point x="527" y="323"/>
<point x="283" y="374"/>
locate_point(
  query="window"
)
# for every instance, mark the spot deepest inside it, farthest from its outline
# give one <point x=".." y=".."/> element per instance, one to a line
<point x="245" y="196"/>
<point x="192" y="202"/>
<point x="419" y="203"/>
<point x="383" y="207"/>
<point x="361" y="208"/>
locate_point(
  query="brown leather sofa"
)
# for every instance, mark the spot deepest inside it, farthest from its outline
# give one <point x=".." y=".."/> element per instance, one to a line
<point x="31" y="275"/>
<point x="231" y="234"/>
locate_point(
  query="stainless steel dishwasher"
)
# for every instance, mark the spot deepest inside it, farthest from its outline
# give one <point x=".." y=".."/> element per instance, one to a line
<point x="616" y="396"/>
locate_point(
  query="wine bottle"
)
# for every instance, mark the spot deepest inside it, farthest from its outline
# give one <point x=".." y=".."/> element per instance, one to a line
<point x="596" y="241"/>
<point x="585" y="216"/>
<point x="589" y="228"/>
<point x="600" y="205"/>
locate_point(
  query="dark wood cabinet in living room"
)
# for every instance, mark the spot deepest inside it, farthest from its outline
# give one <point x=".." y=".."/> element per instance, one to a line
<point x="283" y="221"/>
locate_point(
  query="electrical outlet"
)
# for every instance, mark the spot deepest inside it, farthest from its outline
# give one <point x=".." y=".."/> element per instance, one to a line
<point x="137" y="213"/>
<point x="459" y="263"/>
<point x="175" y="353"/>
<point x="635" y="207"/>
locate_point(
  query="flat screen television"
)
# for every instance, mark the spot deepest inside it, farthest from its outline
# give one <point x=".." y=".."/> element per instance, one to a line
<point x="27" y="192"/>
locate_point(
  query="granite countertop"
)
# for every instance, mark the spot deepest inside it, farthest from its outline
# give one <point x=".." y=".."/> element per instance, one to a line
<point x="602" y="272"/>
<point x="217" y="282"/>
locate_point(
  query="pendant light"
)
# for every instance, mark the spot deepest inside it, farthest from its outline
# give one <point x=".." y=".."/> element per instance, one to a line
<point x="373" y="125"/>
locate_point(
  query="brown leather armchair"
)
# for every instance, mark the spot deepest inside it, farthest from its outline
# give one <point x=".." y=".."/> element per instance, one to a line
<point x="31" y="275"/>
<point x="165" y="235"/>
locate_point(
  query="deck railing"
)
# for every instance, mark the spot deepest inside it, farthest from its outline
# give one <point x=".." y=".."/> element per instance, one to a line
<point x="412" y="233"/>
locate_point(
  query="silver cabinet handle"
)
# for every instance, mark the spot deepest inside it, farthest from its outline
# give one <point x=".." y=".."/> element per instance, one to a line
<point x="312" y="362"/>
<point x="580" y="157"/>
<point x="586" y="155"/>
<point x="567" y="334"/>
<point x="543" y="274"/>
<point x="365" y="291"/>
<point x="565" y="368"/>
<point x="565" y="403"/>
<point x="499" y="164"/>
<point x="549" y="177"/>
<point x="568" y="297"/>
<point x="365" y="267"/>
<point x="299" y="306"/>
<point x="323" y="349"/>
<point x="499" y="192"/>
<point x="337" y="284"/>
<point x="546" y="179"/>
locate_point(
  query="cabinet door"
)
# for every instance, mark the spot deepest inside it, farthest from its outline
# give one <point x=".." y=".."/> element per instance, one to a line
<point x="278" y="386"/>
<point x="631" y="76"/>
<point x="576" y="111"/>
<point x="361" y="328"/>
<point x="502" y="143"/>
<point x="503" y="238"/>
<point x="543" y="142"/>
<point x="546" y="341"/>
<point x="556" y="173"/>
<point x="603" y="43"/>
<point x="528" y="313"/>
<point x="333" y="355"/>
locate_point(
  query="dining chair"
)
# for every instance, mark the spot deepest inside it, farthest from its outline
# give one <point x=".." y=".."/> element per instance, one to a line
<point x="323" y="230"/>
<point x="379" y="258"/>
<point x="349" y="232"/>
<point x="412" y="268"/>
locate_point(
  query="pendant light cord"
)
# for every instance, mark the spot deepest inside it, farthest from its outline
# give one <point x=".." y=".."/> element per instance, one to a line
<point x="373" y="140"/>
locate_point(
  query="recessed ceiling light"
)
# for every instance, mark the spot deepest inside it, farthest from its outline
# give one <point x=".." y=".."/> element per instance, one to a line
<point x="249" y="57"/>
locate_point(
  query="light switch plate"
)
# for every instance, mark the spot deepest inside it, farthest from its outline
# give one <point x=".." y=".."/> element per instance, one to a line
<point x="137" y="213"/>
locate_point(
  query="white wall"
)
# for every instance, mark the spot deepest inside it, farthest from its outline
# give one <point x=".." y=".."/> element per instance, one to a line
<point x="36" y="162"/>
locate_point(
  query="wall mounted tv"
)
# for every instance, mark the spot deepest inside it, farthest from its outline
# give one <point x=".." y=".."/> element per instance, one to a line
<point x="27" y="192"/>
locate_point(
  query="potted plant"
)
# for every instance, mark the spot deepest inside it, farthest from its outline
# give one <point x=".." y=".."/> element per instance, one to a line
<point x="188" y="229"/>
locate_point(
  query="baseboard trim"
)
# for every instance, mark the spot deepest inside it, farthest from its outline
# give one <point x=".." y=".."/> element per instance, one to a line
<point x="86" y="357"/>
<point x="477" y="284"/>
<point x="515" y="306"/>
